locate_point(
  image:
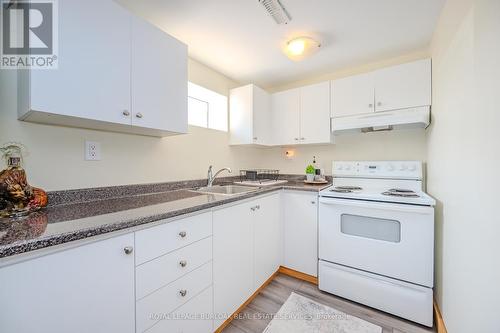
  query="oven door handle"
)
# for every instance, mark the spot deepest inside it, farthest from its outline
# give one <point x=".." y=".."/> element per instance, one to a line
<point x="378" y="205"/>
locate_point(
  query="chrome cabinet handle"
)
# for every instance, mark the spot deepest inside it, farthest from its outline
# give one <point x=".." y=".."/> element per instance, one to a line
<point x="128" y="249"/>
<point x="126" y="113"/>
<point x="182" y="234"/>
<point x="183" y="263"/>
<point x="313" y="202"/>
<point x="255" y="138"/>
<point x="296" y="139"/>
<point x="183" y="292"/>
<point x="252" y="209"/>
<point x="302" y="138"/>
<point x="379" y="103"/>
<point x="138" y="115"/>
<point x="370" y="105"/>
<point x="257" y="207"/>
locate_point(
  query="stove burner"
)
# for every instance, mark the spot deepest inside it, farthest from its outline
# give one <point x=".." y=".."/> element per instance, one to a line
<point x="346" y="189"/>
<point x="398" y="192"/>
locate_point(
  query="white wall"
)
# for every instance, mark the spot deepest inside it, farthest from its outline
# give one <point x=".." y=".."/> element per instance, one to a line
<point x="464" y="161"/>
<point x="56" y="154"/>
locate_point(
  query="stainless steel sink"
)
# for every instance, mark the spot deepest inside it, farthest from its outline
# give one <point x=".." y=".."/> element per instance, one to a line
<point x="226" y="189"/>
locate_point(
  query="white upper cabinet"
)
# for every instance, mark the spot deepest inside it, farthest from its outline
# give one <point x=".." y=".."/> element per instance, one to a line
<point x="93" y="77"/>
<point x="159" y="64"/>
<point x="286" y="117"/>
<point x="393" y="88"/>
<point x="353" y="95"/>
<point x="315" y="113"/>
<point x="250" y="116"/>
<point x="113" y="68"/>
<point x="403" y="86"/>
<point x="302" y="115"/>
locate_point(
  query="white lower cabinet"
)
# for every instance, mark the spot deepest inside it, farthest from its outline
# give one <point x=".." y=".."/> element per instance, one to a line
<point x="193" y="317"/>
<point x="300" y="231"/>
<point x="233" y="259"/>
<point x="183" y="276"/>
<point x="268" y="245"/>
<point x="150" y="309"/>
<point x="242" y="262"/>
<point x="85" y="289"/>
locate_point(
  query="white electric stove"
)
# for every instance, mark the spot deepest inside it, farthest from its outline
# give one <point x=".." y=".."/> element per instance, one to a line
<point x="376" y="237"/>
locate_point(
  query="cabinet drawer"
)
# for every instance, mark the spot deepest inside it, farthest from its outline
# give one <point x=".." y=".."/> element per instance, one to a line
<point x="193" y="317"/>
<point x="159" y="272"/>
<point x="169" y="298"/>
<point x="157" y="241"/>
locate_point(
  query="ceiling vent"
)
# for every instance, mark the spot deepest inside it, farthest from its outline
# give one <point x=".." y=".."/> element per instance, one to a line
<point x="276" y="10"/>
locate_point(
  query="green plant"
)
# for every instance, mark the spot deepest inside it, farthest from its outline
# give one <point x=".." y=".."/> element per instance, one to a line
<point x="310" y="169"/>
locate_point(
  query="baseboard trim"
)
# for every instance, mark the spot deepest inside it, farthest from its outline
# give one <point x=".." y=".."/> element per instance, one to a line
<point x="248" y="301"/>
<point x="298" y="275"/>
<point x="438" y="320"/>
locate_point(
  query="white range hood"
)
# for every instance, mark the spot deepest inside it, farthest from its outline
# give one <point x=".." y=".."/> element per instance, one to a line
<point x="383" y="121"/>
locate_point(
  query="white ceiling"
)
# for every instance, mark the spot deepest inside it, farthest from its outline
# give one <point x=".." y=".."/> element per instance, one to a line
<point x="240" y="40"/>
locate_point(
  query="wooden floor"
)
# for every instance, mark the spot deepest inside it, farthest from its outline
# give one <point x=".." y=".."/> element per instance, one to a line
<point x="271" y="298"/>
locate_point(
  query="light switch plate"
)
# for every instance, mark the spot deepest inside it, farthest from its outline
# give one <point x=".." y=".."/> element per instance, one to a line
<point x="92" y="151"/>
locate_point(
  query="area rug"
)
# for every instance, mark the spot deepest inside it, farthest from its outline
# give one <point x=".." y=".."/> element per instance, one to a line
<point x="300" y="314"/>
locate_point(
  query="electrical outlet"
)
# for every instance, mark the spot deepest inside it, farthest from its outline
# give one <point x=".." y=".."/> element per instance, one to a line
<point x="92" y="151"/>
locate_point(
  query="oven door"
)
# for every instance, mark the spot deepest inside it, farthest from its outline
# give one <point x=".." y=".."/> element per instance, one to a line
<point x="394" y="240"/>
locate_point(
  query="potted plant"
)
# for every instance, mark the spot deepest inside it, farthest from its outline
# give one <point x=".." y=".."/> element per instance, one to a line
<point x="310" y="172"/>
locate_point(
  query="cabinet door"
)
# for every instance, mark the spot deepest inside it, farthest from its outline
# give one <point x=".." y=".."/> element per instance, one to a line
<point x="261" y="117"/>
<point x="232" y="258"/>
<point x="93" y="77"/>
<point x="267" y="238"/>
<point x="241" y="115"/>
<point x="85" y="289"/>
<point x="300" y="225"/>
<point x="315" y="113"/>
<point x="403" y="86"/>
<point x="353" y="95"/>
<point x="286" y="117"/>
<point x="159" y="79"/>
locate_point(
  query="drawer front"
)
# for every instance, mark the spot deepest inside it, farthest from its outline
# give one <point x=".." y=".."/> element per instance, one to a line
<point x="169" y="298"/>
<point x="397" y="297"/>
<point x="157" y="241"/>
<point x="193" y="317"/>
<point x="159" y="272"/>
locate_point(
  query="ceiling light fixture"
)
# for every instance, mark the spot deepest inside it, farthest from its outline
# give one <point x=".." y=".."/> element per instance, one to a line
<point x="298" y="48"/>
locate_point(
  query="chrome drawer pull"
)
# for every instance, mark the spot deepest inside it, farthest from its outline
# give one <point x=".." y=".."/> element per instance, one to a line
<point x="128" y="249"/>
<point x="183" y="263"/>
<point x="183" y="292"/>
<point x="182" y="234"/>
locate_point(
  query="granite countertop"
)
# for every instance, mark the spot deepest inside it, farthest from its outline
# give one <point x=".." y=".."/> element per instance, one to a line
<point x="79" y="214"/>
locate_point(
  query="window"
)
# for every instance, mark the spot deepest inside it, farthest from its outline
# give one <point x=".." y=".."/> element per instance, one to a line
<point x="206" y="108"/>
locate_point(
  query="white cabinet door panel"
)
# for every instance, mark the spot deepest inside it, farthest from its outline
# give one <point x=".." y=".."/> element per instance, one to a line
<point x="353" y="95"/>
<point x="159" y="79"/>
<point x="286" y="117"/>
<point x="300" y="225"/>
<point x="403" y="86"/>
<point x="315" y="113"/>
<point x="93" y="77"/>
<point x="232" y="258"/>
<point x="84" y="289"/>
<point x="261" y="117"/>
<point x="268" y="252"/>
